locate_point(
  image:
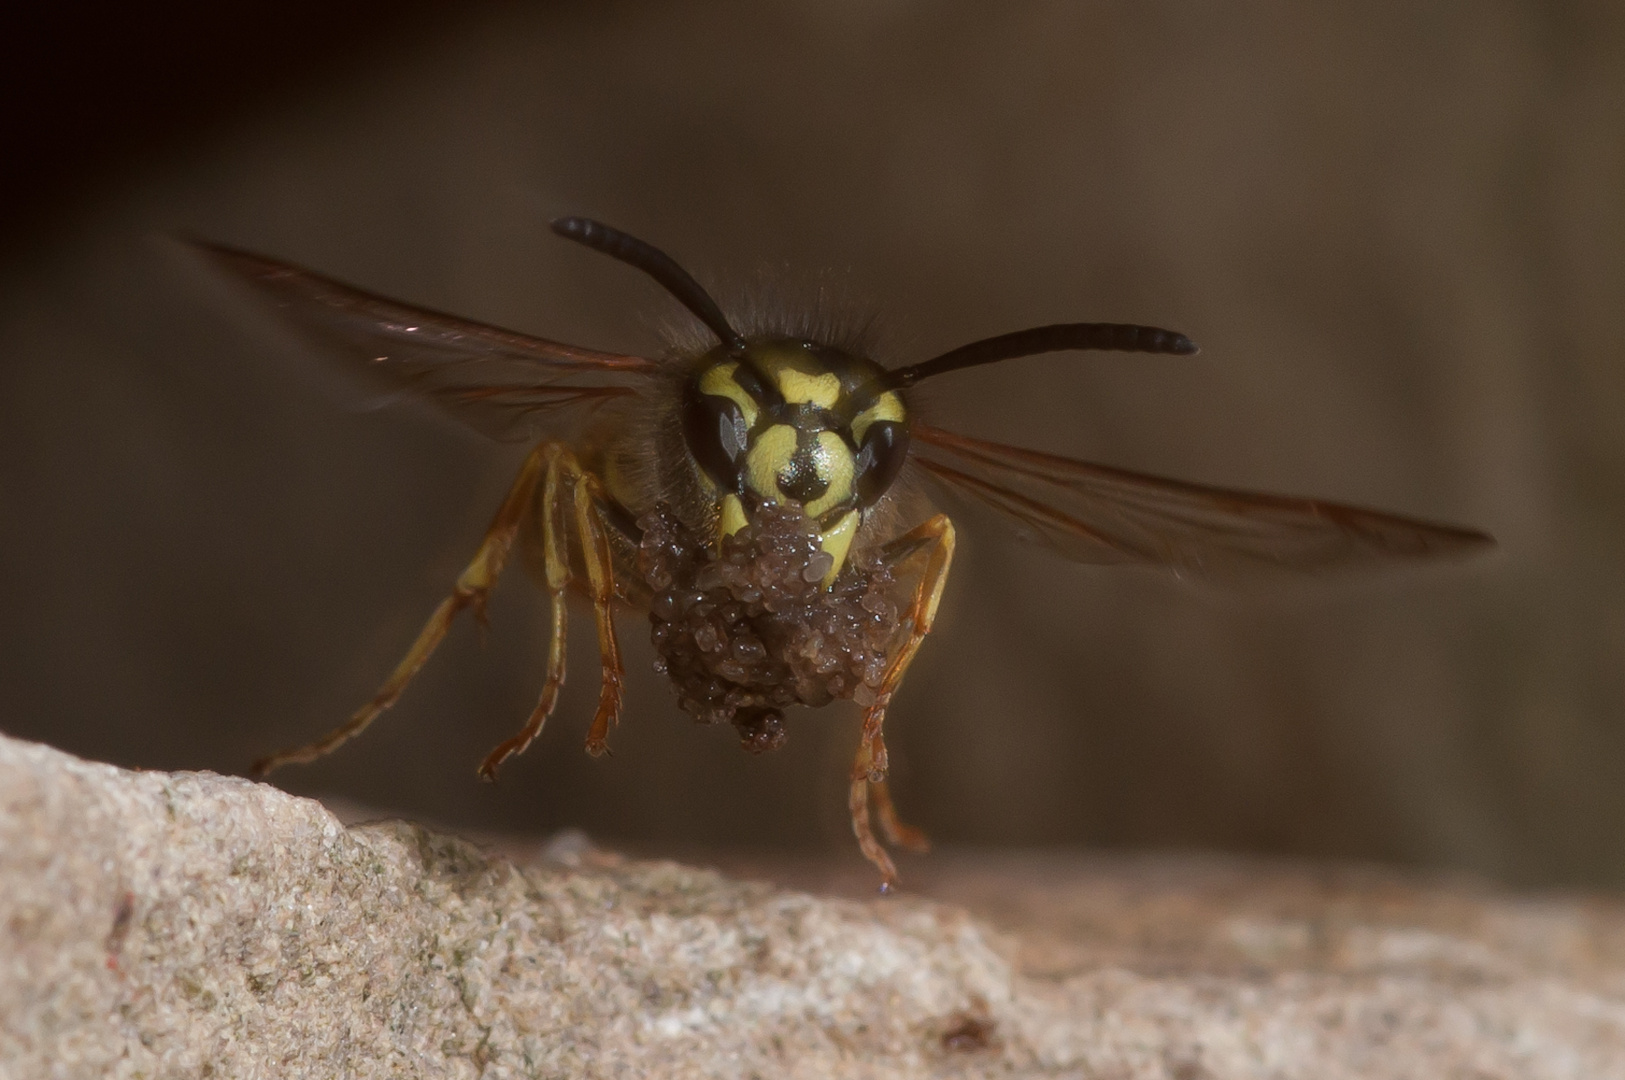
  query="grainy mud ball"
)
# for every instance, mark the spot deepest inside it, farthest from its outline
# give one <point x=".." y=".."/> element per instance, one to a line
<point x="749" y="630"/>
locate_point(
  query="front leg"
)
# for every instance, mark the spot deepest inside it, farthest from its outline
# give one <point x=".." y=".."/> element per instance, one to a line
<point x="934" y="541"/>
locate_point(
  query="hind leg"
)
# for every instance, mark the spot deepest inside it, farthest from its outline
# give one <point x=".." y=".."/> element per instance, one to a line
<point x="935" y="540"/>
<point x="896" y="832"/>
<point x="473" y="586"/>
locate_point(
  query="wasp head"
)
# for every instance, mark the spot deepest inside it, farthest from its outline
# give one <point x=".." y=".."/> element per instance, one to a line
<point x="790" y="421"/>
<point x="787" y="420"/>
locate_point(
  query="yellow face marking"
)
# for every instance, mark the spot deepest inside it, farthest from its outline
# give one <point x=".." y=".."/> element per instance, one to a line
<point x="825" y="465"/>
<point x="837" y="541"/>
<point x="799" y="388"/>
<point x="887" y="406"/>
<point x="731" y="517"/>
<point x="719" y="380"/>
<point x="768" y="456"/>
<point x="833" y="463"/>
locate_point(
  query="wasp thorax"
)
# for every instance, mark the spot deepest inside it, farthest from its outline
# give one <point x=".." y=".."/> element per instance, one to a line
<point x="787" y="421"/>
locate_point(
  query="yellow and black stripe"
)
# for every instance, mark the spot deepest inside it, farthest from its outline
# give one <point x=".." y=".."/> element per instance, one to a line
<point x="794" y="421"/>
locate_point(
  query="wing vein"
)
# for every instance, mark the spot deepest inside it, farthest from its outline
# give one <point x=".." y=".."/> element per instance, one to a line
<point x="498" y="381"/>
<point x="1100" y="514"/>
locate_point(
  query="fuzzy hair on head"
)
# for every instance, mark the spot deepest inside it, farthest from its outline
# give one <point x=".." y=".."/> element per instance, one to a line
<point x="780" y="303"/>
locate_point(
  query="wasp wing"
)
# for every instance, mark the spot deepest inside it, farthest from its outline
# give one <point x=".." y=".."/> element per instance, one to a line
<point x="506" y="384"/>
<point x="1097" y="514"/>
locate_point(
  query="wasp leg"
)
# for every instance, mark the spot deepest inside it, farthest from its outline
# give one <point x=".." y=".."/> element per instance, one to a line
<point x="935" y="538"/>
<point x="897" y="833"/>
<point x="473" y="585"/>
<point x="857" y="802"/>
<point x="556" y="573"/>
<point x="599" y="558"/>
<point x="564" y="471"/>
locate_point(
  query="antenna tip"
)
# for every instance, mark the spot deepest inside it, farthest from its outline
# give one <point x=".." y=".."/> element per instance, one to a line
<point x="573" y="227"/>
<point x="1183" y="346"/>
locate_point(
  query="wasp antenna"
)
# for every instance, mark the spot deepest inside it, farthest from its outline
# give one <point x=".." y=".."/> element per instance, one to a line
<point x="1115" y="337"/>
<point x="657" y="264"/>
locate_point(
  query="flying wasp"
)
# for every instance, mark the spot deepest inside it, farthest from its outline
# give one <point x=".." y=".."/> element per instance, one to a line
<point x="744" y="493"/>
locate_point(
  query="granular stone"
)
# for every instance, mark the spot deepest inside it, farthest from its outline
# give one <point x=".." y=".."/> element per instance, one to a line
<point x="748" y="630"/>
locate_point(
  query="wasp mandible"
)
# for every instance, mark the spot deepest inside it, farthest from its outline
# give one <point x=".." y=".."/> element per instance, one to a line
<point x="741" y="491"/>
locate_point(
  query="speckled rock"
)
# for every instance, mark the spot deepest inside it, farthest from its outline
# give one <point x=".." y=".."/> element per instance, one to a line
<point x="190" y="925"/>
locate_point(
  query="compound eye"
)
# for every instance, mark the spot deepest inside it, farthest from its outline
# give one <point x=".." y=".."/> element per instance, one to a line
<point x="880" y="459"/>
<point x="715" y="430"/>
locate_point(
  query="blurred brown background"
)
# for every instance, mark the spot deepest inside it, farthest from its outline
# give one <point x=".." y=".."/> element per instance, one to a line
<point x="1397" y="230"/>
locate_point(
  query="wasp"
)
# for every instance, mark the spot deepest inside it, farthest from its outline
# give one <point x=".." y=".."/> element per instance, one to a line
<point x="744" y="491"/>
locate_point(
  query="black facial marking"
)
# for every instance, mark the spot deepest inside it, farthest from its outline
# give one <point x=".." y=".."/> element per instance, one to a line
<point x="806" y="418"/>
<point x="800" y="480"/>
<point x="761" y="391"/>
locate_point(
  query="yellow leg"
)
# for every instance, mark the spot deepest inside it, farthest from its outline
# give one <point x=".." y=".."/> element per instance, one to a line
<point x="897" y="833"/>
<point x="599" y="558"/>
<point x="857" y="802"/>
<point x="556" y="569"/>
<point x="565" y="475"/>
<point x="473" y="586"/>
<point x="935" y="538"/>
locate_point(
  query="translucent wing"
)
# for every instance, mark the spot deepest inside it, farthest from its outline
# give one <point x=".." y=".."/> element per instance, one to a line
<point x="506" y="384"/>
<point x="1097" y="514"/>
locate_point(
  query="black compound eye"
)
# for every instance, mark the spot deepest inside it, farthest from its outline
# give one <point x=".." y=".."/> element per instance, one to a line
<point x="880" y="459"/>
<point x="715" y="430"/>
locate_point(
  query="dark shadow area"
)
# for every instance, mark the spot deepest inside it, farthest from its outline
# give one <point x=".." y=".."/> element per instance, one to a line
<point x="92" y="89"/>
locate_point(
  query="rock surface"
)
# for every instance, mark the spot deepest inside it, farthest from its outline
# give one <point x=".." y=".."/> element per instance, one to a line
<point x="190" y="925"/>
